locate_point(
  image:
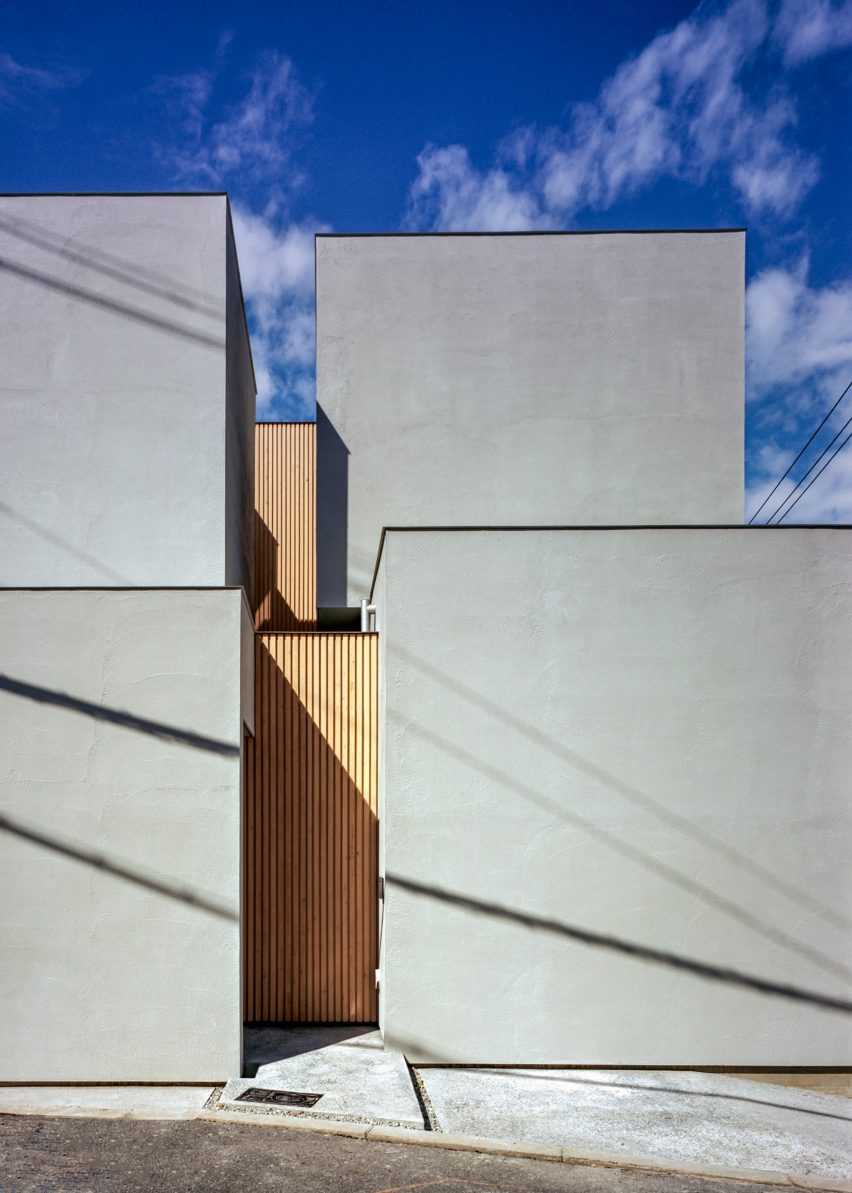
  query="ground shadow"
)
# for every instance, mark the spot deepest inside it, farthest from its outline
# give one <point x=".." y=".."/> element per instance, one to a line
<point x="266" y="1044"/>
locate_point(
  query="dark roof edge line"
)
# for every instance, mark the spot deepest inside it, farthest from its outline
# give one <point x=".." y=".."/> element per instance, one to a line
<point x="529" y="232"/>
<point x="113" y="194"/>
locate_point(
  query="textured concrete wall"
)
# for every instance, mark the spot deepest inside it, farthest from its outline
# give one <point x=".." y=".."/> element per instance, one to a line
<point x="524" y="380"/>
<point x="239" y="433"/>
<point x="120" y="727"/>
<point x="635" y="739"/>
<point x="112" y="392"/>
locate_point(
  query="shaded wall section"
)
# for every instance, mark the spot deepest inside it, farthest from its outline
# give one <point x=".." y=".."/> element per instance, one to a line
<point x="120" y="731"/>
<point x="615" y="796"/>
<point x="311" y="838"/>
<point x="285" y="526"/>
<point x="239" y="432"/>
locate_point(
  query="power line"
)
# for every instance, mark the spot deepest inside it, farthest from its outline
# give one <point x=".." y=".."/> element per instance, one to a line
<point x="807" y="486"/>
<point x="801" y="453"/>
<point x="802" y="479"/>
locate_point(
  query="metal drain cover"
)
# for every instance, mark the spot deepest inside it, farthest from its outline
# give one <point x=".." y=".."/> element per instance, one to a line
<point x="277" y="1097"/>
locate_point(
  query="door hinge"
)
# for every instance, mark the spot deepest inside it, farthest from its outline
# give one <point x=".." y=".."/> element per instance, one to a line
<point x="381" y="887"/>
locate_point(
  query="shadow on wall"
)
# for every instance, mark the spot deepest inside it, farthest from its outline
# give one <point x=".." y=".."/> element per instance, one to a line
<point x="310" y="840"/>
<point x="127" y="720"/>
<point x="118" y="869"/>
<point x="332" y="514"/>
<point x="130" y="273"/>
<point x="600" y="940"/>
<point x="628" y="850"/>
<point x="100" y="861"/>
<point x="272" y="611"/>
<point x="632" y="796"/>
<point x="55" y="541"/>
<point x="162" y="290"/>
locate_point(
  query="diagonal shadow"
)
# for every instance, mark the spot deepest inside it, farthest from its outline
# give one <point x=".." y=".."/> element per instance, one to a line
<point x="112" y="305"/>
<point x="567" y="1073"/>
<point x="126" y="720"/>
<point x="129" y="273"/>
<point x="597" y="833"/>
<point x="573" y="1074"/>
<point x="310" y="842"/>
<point x="505" y="1071"/>
<point x="627" y="792"/>
<point x="701" y="969"/>
<point x="56" y="541"/>
<point x="272" y="612"/>
<point x="118" y="869"/>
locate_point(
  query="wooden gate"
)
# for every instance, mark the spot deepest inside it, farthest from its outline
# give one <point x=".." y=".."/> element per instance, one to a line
<point x="310" y="831"/>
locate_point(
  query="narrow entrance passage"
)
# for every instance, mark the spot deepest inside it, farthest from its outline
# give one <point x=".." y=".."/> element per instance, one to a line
<point x="310" y="836"/>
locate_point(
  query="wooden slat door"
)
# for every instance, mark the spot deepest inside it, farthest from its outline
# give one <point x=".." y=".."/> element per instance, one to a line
<point x="311" y="831"/>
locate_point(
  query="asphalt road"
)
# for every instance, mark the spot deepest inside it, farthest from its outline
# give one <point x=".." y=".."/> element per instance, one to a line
<point x="43" y="1154"/>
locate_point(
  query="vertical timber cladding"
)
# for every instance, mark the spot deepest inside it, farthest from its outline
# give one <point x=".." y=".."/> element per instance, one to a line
<point x="311" y="831"/>
<point x="285" y="526"/>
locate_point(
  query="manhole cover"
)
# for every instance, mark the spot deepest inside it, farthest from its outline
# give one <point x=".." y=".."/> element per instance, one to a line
<point x="277" y="1097"/>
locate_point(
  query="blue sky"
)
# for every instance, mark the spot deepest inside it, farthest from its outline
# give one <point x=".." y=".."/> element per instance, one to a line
<point x="469" y="115"/>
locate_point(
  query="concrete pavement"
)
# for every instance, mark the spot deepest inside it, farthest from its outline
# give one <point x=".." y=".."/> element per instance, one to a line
<point x="707" y="1125"/>
<point x="680" y="1117"/>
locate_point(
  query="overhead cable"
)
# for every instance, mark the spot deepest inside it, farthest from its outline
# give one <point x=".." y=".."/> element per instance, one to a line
<point x="807" y="486"/>
<point x="801" y="453"/>
<point x="802" y="479"/>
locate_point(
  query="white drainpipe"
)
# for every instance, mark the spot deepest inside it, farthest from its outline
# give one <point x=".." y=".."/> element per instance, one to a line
<point x="367" y="610"/>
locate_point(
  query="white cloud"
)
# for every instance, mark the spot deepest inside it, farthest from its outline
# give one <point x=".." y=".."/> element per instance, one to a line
<point x="254" y="140"/>
<point x="807" y="29"/>
<point x="19" y="83"/>
<point x="686" y="107"/>
<point x="251" y="146"/>
<point x="797" y="334"/>
<point x="450" y="194"/>
<point x="799" y="354"/>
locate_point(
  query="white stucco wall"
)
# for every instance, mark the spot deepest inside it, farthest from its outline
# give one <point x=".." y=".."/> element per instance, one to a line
<point x="568" y="379"/>
<point x="113" y="392"/>
<point x="120" y="732"/>
<point x="636" y="739"/>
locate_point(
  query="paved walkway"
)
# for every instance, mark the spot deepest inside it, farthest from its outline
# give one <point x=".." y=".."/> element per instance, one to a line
<point x="701" y="1118"/>
<point x="681" y="1121"/>
<point x="353" y="1072"/>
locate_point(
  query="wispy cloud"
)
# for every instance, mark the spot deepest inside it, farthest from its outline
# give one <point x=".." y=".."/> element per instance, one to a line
<point x="251" y="148"/>
<point x="688" y="107"/>
<point x="253" y="139"/>
<point x="808" y="29"/>
<point x="20" y="83"/>
<point x="277" y="266"/>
